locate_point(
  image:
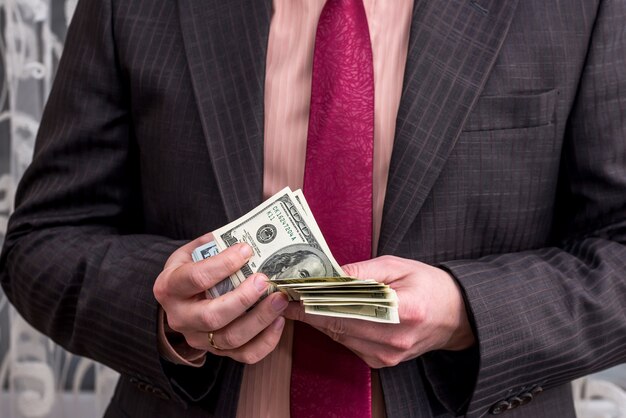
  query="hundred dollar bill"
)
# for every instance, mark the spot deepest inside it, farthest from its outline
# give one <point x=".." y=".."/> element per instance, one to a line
<point x="349" y="304"/>
<point x="320" y="281"/>
<point x="348" y="289"/>
<point x="299" y="196"/>
<point x="285" y="240"/>
<point x="205" y="251"/>
<point x="289" y="248"/>
<point x="210" y="249"/>
<point x="293" y="287"/>
<point x="347" y="297"/>
<point x="371" y="313"/>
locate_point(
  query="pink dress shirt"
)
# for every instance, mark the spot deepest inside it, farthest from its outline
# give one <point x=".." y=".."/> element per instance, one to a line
<point x="265" y="385"/>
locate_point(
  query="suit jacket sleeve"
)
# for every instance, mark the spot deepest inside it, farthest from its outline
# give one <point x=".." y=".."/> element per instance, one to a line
<point x="75" y="263"/>
<point x="547" y="316"/>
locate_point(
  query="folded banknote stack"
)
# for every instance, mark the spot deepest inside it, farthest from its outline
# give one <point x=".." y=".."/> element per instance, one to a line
<point x="288" y="247"/>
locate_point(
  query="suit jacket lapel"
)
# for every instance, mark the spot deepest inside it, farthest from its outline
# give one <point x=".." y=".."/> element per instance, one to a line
<point x="226" y="44"/>
<point x="453" y="46"/>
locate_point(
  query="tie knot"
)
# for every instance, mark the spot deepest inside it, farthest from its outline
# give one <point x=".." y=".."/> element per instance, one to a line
<point x="344" y="18"/>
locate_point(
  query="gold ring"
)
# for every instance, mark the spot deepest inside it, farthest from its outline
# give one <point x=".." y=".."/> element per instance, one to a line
<point x="211" y="342"/>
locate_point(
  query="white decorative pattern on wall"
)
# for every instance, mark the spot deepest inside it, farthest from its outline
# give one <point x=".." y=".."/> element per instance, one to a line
<point x="38" y="378"/>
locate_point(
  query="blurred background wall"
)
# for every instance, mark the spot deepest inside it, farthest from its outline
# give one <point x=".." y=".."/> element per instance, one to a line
<point x="37" y="377"/>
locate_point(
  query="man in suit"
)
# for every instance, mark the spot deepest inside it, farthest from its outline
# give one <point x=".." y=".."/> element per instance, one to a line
<point x="503" y="209"/>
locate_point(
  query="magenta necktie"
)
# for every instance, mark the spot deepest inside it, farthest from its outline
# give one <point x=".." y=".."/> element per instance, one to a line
<point x="328" y="380"/>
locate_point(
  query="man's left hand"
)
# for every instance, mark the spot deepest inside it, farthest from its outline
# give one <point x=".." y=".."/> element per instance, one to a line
<point x="431" y="309"/>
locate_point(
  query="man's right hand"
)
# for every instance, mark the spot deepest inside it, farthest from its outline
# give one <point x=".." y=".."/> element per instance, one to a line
<point x="244" y="334"/>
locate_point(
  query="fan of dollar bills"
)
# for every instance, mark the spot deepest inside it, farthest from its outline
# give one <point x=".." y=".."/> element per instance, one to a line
<point x="289" y="248"/>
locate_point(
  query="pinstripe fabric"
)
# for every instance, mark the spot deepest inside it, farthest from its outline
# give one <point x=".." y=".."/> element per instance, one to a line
<point x="227" y="68"/>
<point x="508" y="169"/>
<point x="542" y="315"/>
<point x="465" y="42"/>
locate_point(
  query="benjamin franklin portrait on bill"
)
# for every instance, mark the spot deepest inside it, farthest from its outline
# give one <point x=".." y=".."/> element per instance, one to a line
<point x="296" y="262"/>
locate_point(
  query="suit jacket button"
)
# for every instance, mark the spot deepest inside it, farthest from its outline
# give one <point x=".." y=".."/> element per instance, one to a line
<point x="500" y="407"/>
<point x="526" y="397"/>
<point x="536" y="390"/>
<point x="515" y="401"/>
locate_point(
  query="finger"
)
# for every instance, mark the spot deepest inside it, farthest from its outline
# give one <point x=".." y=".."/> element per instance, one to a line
<point x="262" y="345"/>
<point x="337" y="328"/>
<point x="385" y="346"/>
<point x="248" y="326"/>
<point x="193" y="278"/>
<point x="213" y="314"/>
<point x="376" y="355"/>
<point x="252" y="352"/>
<point x="382" y="269"/>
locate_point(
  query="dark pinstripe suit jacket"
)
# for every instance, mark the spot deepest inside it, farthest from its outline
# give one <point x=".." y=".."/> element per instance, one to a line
<point x="509" y="170"/>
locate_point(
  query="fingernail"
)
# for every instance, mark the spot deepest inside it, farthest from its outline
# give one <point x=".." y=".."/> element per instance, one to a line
<point x="278" y="323"/>
<point x="260" y="282"/>
<point x="245" y="250"/>
<point x="279" y="303"/>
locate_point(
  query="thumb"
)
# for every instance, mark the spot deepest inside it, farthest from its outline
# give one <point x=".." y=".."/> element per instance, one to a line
<point x="374" y="269"/>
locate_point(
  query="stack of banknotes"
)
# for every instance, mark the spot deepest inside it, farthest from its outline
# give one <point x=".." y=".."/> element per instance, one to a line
<point x="288" y="247"/>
